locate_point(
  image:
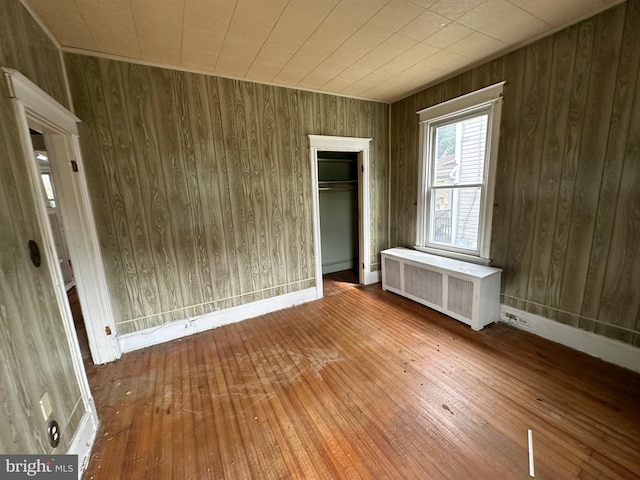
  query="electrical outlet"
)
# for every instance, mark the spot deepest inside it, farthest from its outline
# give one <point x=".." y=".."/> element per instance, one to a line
<point x="516" y="320"/>
<point x="53" y="431"/>
<point x="45" y="406"/>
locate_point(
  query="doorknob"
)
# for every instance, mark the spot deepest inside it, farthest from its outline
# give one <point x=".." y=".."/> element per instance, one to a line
<point x="34" y="253"/>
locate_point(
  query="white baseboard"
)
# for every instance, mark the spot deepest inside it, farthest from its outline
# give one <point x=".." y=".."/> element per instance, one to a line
<point x="607" y="349"/>
<point x="189" y="326"/>
<point x="337" y="266"/>
<point x="83" y="440"/>
<point x="372" y="277"/>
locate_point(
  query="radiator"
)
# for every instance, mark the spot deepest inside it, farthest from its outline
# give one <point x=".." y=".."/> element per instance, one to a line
<point x="465" y="291"/>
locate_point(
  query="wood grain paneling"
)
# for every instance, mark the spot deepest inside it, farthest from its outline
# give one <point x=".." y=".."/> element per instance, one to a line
<point x="565" y="212"/>
<point x="34" y="352"/>
<point x="506" y="171"/>
<point x="201" y="185"/>
<point x="555" y="124"/>
<point x="570" y="160"/>
<point x="529" y="140"/>
<point x="593" y="144"/>
<point x="612" y="291"/>
<point x="26" y="48"/>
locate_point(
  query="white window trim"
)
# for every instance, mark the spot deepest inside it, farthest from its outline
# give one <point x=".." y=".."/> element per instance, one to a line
<point x="491" y="97"/>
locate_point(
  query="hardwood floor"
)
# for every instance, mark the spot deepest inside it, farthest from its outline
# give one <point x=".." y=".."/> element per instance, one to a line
<point x="338" y="282"/>
<point x="363" y="384"/>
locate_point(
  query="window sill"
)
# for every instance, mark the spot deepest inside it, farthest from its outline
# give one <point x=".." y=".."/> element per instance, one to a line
<point x="455" y="255"/>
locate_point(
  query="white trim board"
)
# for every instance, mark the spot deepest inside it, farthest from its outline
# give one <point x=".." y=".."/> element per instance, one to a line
<point x="83" y="440"/>
<point x="372" y="277"/>
<point x="607" y="349"/>
<point x="361" y="146"/>
<point x="34" y="108"/>
<point x="485" y="95"/>
<point x="189" y="326"/>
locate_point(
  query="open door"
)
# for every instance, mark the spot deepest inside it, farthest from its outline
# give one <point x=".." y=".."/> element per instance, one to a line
<point x="51" y="202"/>
<point x="36" y="110"/>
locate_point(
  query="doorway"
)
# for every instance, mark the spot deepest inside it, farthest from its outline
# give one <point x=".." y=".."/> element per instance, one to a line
<point x="60" y="243"/>
<point x="34" y="110"/>
<point x="339" y="156"/>
<point x="50" y="199"/>
<point x="338" y="205"/>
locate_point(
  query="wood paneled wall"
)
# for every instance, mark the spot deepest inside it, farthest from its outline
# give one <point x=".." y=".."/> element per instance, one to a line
<point x="201" y="185"/>
<point x="34" y="353"/>
<point x="567" y="207"/>
<point x="26" y="48"/>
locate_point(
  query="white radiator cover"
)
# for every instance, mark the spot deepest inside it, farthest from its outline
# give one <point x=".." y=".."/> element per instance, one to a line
<point x="465" y="291"/>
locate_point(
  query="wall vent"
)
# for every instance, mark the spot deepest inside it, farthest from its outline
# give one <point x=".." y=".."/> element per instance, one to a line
<point x="423" y="283"/>
<point x="460" y="295"/>
<point x="392" y="268"/>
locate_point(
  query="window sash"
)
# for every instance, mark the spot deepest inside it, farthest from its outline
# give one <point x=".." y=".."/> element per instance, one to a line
<point x="432" y="221"/>
<point x="433" y="187"/>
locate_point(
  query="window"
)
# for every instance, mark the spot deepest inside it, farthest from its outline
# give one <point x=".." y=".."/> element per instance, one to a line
<point x="459" y="143"/>
<point x="48" y="189"/>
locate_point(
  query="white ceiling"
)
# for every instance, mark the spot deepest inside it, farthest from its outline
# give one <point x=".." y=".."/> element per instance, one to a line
<point x="374" y="49"/>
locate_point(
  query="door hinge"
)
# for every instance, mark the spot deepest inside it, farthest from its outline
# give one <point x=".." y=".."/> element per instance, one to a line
<point x="107" y="330"/>
<point x="362" y="168"/>
<point x="74" y="166"/>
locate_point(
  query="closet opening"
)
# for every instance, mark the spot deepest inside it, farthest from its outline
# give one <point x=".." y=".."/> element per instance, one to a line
<point x="341" y="240"/>
<point x="338" y="193"/>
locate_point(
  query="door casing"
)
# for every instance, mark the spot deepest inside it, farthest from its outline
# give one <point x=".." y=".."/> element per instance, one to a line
<point x="361" y="146"/>
<point x="34" y="108"/>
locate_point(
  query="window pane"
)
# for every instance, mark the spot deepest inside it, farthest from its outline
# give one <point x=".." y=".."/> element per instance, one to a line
<point x="48" y="188"/>
<point x="459" y="151"/>
<point x="455" y="217"/>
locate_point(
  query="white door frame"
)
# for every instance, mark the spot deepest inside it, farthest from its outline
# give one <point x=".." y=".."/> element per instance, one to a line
<point x="361" y="146"/>
<point x="35" y="109"/>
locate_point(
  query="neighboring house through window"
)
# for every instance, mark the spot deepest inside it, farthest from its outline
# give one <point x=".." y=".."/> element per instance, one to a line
<point x="458" y="147"/>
